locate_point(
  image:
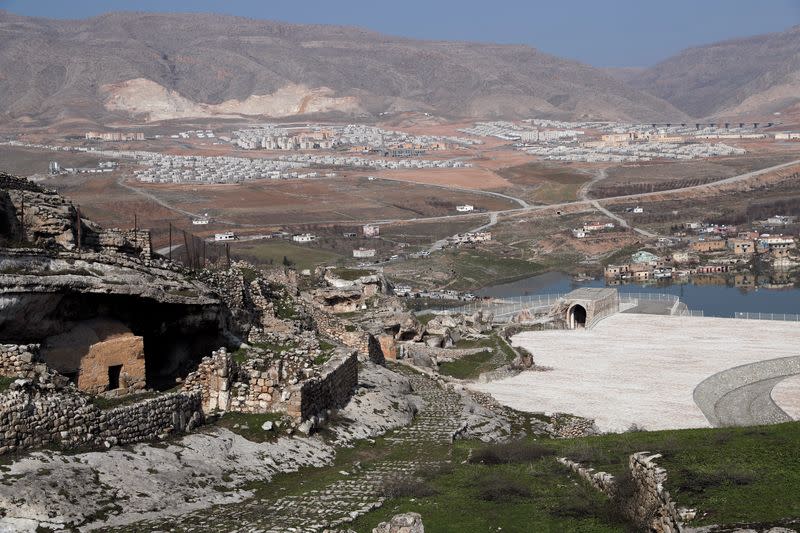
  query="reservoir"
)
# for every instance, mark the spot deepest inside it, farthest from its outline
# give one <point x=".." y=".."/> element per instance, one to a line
<point x="713" y="300"/>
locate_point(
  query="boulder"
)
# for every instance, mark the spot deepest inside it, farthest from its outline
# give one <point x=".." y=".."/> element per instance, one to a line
<point x="402" y="523"/>
<point x="434" y="341"/>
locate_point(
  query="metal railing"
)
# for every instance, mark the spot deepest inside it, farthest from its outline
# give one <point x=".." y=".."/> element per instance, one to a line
<point x="767" y="316"/>
<point x="504" y="309"/>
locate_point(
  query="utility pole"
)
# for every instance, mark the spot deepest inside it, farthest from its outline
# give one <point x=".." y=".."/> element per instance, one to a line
<point x="170" y="241"/>
<point x="22" y="216"/>
<point x="188" y="249"/>
<point x="228" y="253"/>
<point x="135" y="230"/>
<point x="78" y="212"/>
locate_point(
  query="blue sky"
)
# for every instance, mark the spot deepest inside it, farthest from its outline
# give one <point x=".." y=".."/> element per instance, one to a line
<point x="599" y="32"/>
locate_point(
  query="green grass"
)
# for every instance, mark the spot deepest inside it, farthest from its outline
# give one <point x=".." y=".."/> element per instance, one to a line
<point x="351" y="274"/>
<point x="104" y="403"/>
<point x="327" y="351"/>
<point x="473" y="365"/>
<point x="732" y="474"/>
<point x="249" y="425"/>
<point x="468" y="367"/>
<point x="243" y="354"/>
<point x="5" y="383"/>
<point x="273" y="252"/>
<point x="424" y="319"/>
<point x="536" y="495"/>
<point x="474" y="268"/>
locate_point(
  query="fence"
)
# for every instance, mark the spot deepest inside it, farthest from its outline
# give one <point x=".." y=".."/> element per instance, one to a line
<point x="767" y="316"/>
<point x="505" y="308"/>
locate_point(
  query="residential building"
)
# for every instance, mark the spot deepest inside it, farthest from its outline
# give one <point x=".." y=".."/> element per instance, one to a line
<point x="304" y="237"/>
<point x="371" y="231"/>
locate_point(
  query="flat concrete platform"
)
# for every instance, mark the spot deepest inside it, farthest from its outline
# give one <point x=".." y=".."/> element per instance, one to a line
<point x="641" y="369"/>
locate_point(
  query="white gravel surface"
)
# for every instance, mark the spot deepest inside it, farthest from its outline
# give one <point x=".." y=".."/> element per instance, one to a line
<point x="639" y="369"/>
<point x="787" y="395"/>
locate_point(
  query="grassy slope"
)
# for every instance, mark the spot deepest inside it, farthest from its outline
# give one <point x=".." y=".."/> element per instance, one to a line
<point x="551" y="499"/>
<point x="732" y="474"/>
<point x="471" y="366"/>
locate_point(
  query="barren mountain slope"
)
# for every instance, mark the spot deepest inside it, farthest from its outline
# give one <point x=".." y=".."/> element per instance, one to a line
<point x="178" y="65"/>
<point x="754" y="76"/>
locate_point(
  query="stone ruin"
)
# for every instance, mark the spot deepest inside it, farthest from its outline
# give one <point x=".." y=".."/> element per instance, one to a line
<point x="86" y="311"/>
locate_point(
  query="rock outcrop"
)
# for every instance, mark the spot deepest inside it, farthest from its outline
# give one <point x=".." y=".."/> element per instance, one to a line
<point x="402" y="523"/>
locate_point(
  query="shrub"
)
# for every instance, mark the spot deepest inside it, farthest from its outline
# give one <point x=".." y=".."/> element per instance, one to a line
<point x="398" y="487"/>
<point x="510" y="452"/>
<point x="697" y="481"/>
<point x="497" y="487"/>
<point x="433" y="471"/>
<point x="582" y="503"/>
<point x="583" y="452"/>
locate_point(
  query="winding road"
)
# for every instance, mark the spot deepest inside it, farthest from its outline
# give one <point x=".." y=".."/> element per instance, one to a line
<point x="524" y="206"/>
<point x="742" y="395"/>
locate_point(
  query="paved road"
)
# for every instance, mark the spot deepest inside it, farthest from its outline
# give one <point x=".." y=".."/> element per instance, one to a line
<point x="742" y="395"/>
<point x="520" y="201"/>
<point x="528" y="208"/>
<point x="622" y="222"/>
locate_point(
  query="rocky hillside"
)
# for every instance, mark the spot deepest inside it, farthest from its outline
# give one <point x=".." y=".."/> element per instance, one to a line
<point x="162" y="66"/>
<point x="755" y="76"/>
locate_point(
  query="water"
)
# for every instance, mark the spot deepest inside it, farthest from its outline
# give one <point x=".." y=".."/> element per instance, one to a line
<point x="713" y="300"/>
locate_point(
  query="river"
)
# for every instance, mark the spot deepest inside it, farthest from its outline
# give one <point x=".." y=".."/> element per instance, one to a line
<point x="713" y="300"/>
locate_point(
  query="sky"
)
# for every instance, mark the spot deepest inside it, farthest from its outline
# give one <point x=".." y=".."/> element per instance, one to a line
<point x="604" y="33"/>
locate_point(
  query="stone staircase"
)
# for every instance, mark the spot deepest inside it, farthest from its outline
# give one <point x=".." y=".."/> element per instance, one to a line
<point x="354" y="492"/>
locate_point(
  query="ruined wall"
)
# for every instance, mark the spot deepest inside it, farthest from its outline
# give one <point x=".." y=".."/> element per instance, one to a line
<point x="117" y="241"/>
<point x="33" y="415"/>
<point x="263" y="385"/>
<point x="20" y="361"/>
<point x="332" y="389"/>
<point x="348" y="334"/>
<point x="647" y="503"/>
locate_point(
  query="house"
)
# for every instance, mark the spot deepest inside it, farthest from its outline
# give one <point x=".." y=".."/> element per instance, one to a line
<point x="708" y="245"/>
<point x="371" y="231"/>
<point x="364" y="252"/>
<point x="466" y="208"/>
<point x="644" y="257"/>
<point x="593" y="226"/>
<point x="638" y="209"/>
<point x="578" y="233"/>
<point x="616" y="271"/>
<point x="304" y="237"/>
<point x="741" y="246"/>
<point x="227" y="236"/>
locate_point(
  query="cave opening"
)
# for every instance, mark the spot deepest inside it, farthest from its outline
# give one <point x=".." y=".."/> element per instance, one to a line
<point x="108" y="341"/>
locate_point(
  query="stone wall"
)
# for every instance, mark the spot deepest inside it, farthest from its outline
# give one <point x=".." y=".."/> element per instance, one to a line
<point x="332" y="389"/>
<point x="132" y="242"/>
<point x="348" y="334"/>
<point x="20" y="361"/>
<point x="35" y="414"/>
<point x="646" y="503"/>
<point x="263" y="385"/>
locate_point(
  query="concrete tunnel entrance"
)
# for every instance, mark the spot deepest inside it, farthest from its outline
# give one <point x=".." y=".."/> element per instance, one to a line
<point x="576" y="317"/>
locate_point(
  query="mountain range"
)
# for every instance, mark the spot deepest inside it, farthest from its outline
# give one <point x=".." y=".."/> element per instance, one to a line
<point x="147" y="67"/>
